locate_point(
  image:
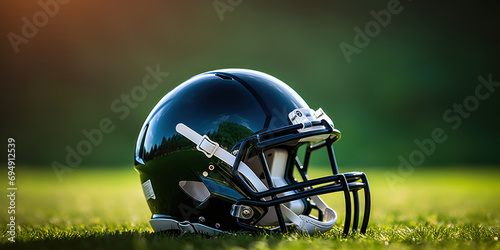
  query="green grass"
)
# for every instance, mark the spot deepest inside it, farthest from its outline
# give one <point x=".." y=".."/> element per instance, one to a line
<point x="104" y="209"/>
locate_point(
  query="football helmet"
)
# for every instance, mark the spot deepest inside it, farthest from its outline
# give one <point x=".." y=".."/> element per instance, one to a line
<point x="220" y="153"/>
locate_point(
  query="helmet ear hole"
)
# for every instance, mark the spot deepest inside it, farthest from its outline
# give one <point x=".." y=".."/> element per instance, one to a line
<point x="195" y="189"/>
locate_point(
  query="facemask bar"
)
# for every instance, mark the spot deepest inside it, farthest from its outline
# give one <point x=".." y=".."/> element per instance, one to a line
<point x="345" y="182"/>
<point x="350" y="177"/>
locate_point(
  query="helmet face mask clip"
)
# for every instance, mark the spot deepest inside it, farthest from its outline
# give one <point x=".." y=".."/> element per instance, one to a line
<point x="217" y="158"/>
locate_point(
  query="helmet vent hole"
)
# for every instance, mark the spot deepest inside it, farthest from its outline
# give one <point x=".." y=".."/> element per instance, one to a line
<point x="225" y="77"/>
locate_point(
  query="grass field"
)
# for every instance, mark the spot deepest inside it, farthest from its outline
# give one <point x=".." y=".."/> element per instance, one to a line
<point x="104" y="209"/>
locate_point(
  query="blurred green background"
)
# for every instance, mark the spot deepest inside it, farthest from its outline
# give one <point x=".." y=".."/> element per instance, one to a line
<point x="87" y="55"/>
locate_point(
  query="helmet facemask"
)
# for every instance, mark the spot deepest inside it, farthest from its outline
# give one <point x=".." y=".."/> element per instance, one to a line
<point x="264" y="165"/>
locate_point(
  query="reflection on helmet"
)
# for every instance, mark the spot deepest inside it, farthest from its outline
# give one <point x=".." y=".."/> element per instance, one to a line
<point x="219" y="153"/>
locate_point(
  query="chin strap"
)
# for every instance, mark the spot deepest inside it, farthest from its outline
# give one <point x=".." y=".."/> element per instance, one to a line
<point x="211" y="148"/>
<point x="309" y="224"/>
<point x="303" y="222"/>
